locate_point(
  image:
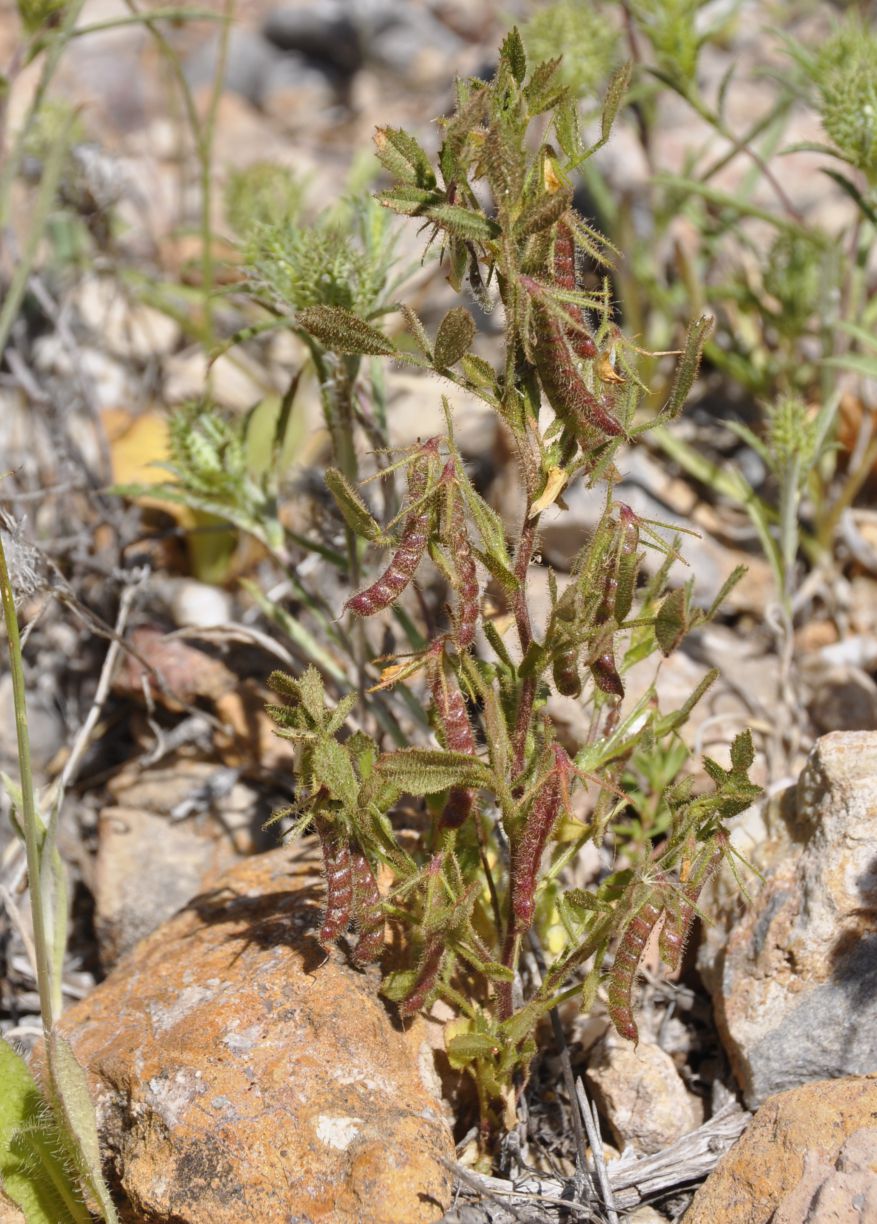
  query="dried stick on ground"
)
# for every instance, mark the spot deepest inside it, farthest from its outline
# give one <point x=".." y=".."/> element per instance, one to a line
<point x="633" y="1180"/>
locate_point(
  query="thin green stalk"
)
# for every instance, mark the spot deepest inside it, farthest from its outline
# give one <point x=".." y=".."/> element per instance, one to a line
<point x="170" y="13"/>
<point x="34" y="830"/>
<point x="45" y="200"/>
<point x="58" y="43"/>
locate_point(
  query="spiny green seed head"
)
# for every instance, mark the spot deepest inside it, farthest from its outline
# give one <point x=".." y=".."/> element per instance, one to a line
<point x="792" y="432"/>
<point x="845" y="73"/>
<point x="584" y="37"/>
<point x="794" y="277"/>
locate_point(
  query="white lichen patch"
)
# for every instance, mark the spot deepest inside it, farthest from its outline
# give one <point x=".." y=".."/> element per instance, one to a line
<point x="337" y="1132"/>
<point x="170" y="1098"/>
<point x="244" y="1041"/>
<point x="367" y="1079"/>
<point x="165" y="1017"/>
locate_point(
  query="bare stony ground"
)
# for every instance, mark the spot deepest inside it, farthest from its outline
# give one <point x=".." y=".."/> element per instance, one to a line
<point x="237" y="1076"/>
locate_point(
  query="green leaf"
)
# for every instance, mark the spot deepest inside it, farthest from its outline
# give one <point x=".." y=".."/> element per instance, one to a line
<point x="344" y="332"/>
<point x="544" y="89"/>
<point x="865" y="206"/>
<point x="512" y="53"/>
<point x="728" y="585"/>
<point x="468" y="1047"/>
<point x="74" y="1101"/>
<point x="857" y="362"/>
<point x="333" y="769"/>
<point x="671" y="623"/>
<point x="742" y="751"/>
<point x="354" y="511"/>
<point x="464" y="222"/>
<point x="699" y="332"/>
<point x="409" y="201"/>
<point x="31" y="1172"/>
<point x="426" y="771"/>
<point x="618" y="87"/>
<point x="399" y="985"/>
<point x="400" y="154"/>
<point x="543" y="212"/>
<point x="674" y="720"/>
<point x="455" y="334"/>
<point x="480" y="373"/>
<point x="313" y="694"/>
<point x="417" y="330"/>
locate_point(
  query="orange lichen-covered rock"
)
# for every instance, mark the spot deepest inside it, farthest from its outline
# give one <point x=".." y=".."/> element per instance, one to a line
<point x="803" y="1149"/>
<point x="239" y="1074"/>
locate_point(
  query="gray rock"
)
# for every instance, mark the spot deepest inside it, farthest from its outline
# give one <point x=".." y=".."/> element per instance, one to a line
<point x="325" y="31"/>
<point x="295" y="90"/>
<point x="795" y="988"/>
<point x="400" y="37"/>
<point x="844" y="699"/>
<point x="249" y="60"/>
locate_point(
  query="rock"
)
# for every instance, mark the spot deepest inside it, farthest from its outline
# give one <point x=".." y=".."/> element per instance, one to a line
<point x="130" y="330"/>
<point x="844" y="699"/>
<point x="199" y="604"/>
<point x="162" y="841"/>
<point x="240" y="1074"/>
<point x="295" y="92"/>
<point x="648" y="490"/>
<point x="809" y="1156"/>
<point x="641" y="1093"/>
<point x="249" y="60"/>
<point x="45" y="727"/>
<point x="406" y="39"/>
<point x="324" y="31"/>
<point x="795" y="987"/>
<point x="234" y="382"/>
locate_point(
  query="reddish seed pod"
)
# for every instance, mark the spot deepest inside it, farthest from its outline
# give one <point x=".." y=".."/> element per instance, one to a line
<point x="560" y="378"/>
<point x="680" y="911"/>
<point x="403" y="565"/>
<point x="459" y="546"/>
<point x="627" y="959"/>
<point x="450" y="704"/>
<point x="627" y="562"/>
<point x="606" y="674"/>
<point x="427" y="976"/>
<point x="581" y="342"/>
<point x="456" y="730"/>
<point x="339" y="880"/>
<point x="673" y="937"/>
<point x="565" y="669"/>
<point x="527" y="854"/>
<point x="368" y="913"/>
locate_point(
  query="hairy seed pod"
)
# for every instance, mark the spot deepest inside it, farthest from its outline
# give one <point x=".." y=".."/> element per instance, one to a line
<point x="559" y="375"/>
<point x="624" y="967"/>
<point x="368" y="913"/>
<point x="427" y="975"/>
<point x="456" y="731"/>
<point x="565" y="669"/>
<point x="606" y="674"/>
<point x="527" y="854"/>
<point x="465" y="576"/>
<point x="678" y="919"/>
<point x="628" y="562"/>
<point x="339" y="880"/>
<point x="581" y="342"/>
<point x="404" y="562"/>
<point x="680" y="911"/>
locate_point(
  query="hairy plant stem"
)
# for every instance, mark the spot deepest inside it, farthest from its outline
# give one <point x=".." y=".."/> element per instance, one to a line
<point x="34" y="831"/>
<point x="523" y="557"/>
